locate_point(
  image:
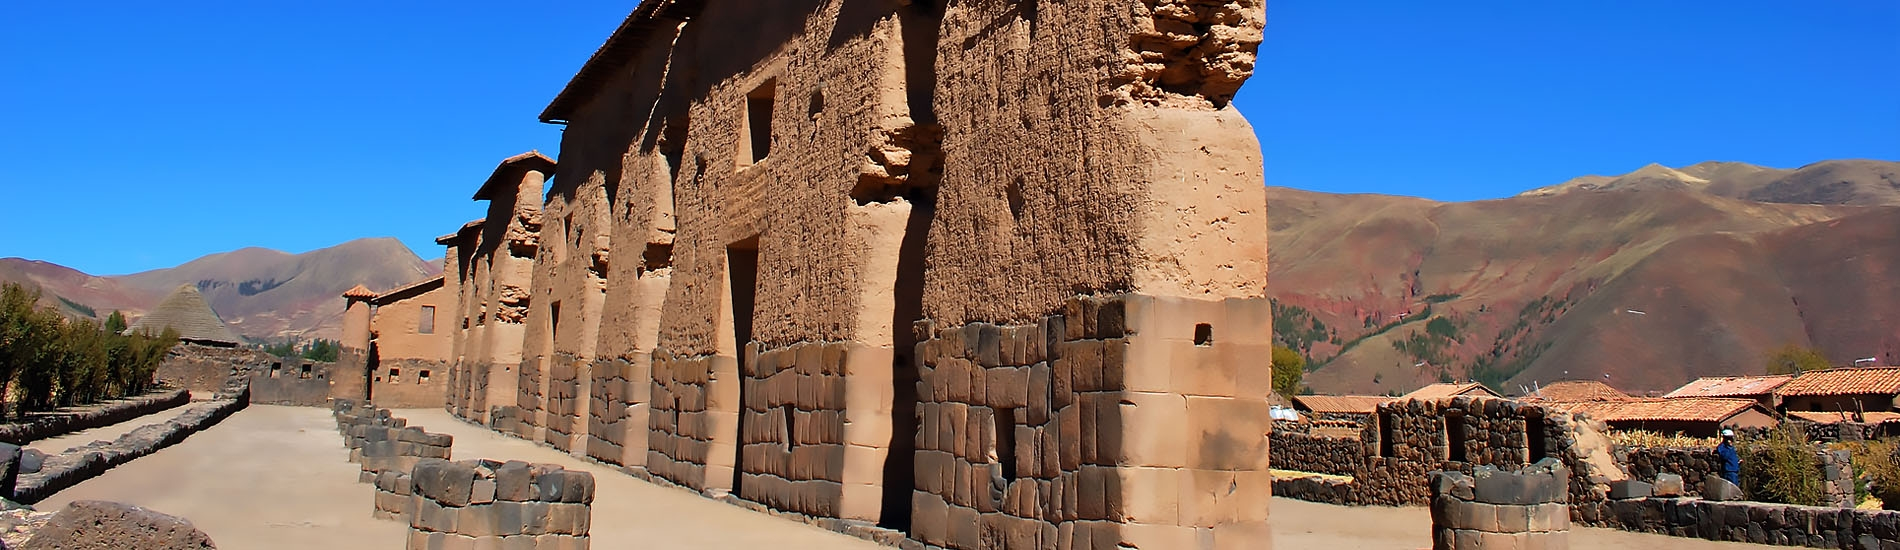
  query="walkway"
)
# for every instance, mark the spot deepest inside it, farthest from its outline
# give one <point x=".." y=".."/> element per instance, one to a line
<point x="1302" y="524"/>
<point x="59" y="444"/>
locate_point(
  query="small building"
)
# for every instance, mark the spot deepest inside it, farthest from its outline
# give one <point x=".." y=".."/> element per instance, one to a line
<point x="1693" y="416"/>
<point x="1759" y="388"/>
<point x="1863" y="389"/>
<point x="1577" y="391"/>
<point x="404" y="342"/>
<point x="1339" y="407"/>
<point x="1447" y="389"/>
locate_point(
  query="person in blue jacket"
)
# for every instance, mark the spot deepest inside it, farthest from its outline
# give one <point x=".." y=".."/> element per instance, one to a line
<point x="1731" y="460"/>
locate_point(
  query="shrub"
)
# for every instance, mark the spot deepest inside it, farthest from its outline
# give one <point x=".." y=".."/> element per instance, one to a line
<point x="1781" y="468"/>
<point x="1874" y="461"/>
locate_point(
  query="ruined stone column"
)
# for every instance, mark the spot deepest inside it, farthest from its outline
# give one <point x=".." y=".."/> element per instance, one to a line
<point x="1493" y="509"/>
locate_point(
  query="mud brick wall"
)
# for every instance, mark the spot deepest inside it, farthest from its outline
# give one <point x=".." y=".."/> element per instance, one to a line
<point x="1315" y="453"/>
<point x="489" y="504"/>
<point x="616" y="416"/>
<point x="409" y="387"/>
<point x="205" y="369"/>
<point x="286" y="382"/>
<point x="1501" y="510"/>
<point x="1755" y="522"/>
<point x="1112" y="423"/>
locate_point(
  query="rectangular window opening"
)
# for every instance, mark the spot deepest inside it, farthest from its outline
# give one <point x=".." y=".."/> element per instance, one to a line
<point x="1387" y="447"/>
<point x="425" y="323"/>
<point x="306" y="373"/>
<point x="1005" y="452"/>
<point x="1203" y="334"/>
<point x="1455" y="436"/>
<point x="758" y="123"/>
<point x="422" y="376"/>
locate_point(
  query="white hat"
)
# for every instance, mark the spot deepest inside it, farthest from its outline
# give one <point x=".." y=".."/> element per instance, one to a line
<point x="1728" y="433"/>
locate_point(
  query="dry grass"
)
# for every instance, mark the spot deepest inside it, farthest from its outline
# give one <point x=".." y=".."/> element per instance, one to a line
<point x="1296" y="474"/>
<point x="1641" y="438"/>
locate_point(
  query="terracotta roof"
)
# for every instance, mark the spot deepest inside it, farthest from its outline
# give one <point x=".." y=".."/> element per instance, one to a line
<point x="1875" y="417"/>
<point x="620" y="47"/>
<point x="409" y="291"/>
<point x="1578" y="390"/>
<point x="1845" y="381"/>
<point x="359" y="292"/>
<point x="1451" y="390"/>
<point x="1356" y="404"/>
<point x="508" y="174"/>
<point x="187" y="312"/>
<point x="1689" y="409"/>
<point x="1731" y="386"/>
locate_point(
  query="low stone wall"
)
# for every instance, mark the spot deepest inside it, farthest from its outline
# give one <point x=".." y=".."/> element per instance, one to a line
<point x="293" y="382"/>
<point x="1752" y="522"/>
<point x="39" y="426"/>
<point x="1313" y="453"/>
<point x="388" y="449"/>
<point x="1694" y="465"/>
<point x="1315" y="489"/>
<point x="206" y="369"/>
<point x="57" y="472"/>
<point x="488" y="504"/>
<point x="1498" y="510"/>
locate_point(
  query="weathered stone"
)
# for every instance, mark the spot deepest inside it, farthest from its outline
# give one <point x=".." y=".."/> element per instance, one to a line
<point x="1667" y="485"/>
<point x="1716" y="488"/>
<point x="1630" y="488"/>
<point x="91" y="524"/>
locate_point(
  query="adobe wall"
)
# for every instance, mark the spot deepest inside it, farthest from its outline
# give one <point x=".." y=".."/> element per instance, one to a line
<point x="409" y="383"/>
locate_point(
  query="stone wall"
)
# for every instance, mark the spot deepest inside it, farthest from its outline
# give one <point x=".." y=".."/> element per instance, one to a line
<point x="1753" y="522"/>
<point x="617" y="412"/>
<point x="52" y="424"/>
<point x="205" y="369"/>
<point x="1115" y="422"/>
<point x="488" y="504"/>
<point x="68" y="468"/>
<point x="1499" y="510"/>
<point x="388" y="449"/>
<point x="295" y="382"/>
<point x="1315" y="453"/>
<point x="1834" y="469"/>
<point x="409" y="383"/>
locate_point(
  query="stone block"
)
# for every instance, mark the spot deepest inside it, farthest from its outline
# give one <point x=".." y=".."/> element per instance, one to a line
<point x="1716" y="488"/>
<point x="1630" y="488"/>
<point x="569" y="518"/>
<point x="514" y="481"/>
<point x="1667" y="485"/>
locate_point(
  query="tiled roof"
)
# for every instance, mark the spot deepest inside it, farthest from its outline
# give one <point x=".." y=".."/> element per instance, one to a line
<point x="1731" y="386"/>
<point x="1845" y="381"/>
<point x="1578" y="390"/>
<point x="409" y="291"/>
<point x="1356" y="404"/>
<point x="187" y="312"/>
<point x="359" y="291"/>
<point x="1690" y="409"/>
<point x="1451" y="390"/>
<point x="1875" y="417"/>
<point x="508" y="174"/>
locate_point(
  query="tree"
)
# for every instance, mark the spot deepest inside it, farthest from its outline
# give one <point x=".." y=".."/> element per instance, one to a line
<point x="1793" y="359"/>
<point x="115" y="323"/>
<point x="1288" y="368"/>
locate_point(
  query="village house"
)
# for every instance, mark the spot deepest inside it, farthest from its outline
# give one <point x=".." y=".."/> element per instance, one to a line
<point x="1449" y="389"/>
<point x="1759" y="388"/>
<point x="858" y="260"/>
<point x="397" y="341"/>
<point x="1577" y="391"/>
<point x="1848" y="389"/>
<point x="1693" y="416"/>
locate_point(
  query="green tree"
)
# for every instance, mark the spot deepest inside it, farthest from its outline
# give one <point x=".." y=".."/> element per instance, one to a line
<point x="1793" y="359"/>
<point x="115" y="323"/>
<point x="1288" y="368"/>
<point x="322" y="350"/>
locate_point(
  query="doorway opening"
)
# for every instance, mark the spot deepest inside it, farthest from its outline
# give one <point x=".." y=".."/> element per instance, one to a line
<point x="742" y="276"/>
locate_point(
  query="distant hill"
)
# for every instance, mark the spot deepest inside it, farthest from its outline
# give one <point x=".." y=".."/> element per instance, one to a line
<point x="262" y="294"/>
<point x="1842" y="182"/>
<point x="1652" y="278"/>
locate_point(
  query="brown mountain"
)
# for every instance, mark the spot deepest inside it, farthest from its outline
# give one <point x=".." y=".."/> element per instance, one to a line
<point x="261" y="293"/>
<point x="1649" y="278"/>
<point x="1843" y="182"/>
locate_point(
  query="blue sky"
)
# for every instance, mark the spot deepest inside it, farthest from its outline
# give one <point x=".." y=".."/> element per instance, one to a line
<point x="145" y="135"/>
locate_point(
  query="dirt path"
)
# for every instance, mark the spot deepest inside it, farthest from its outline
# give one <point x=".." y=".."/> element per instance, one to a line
<point x="267" y="477"/>
<point x="59" y="444"/>
<point x="1301" y="524"/>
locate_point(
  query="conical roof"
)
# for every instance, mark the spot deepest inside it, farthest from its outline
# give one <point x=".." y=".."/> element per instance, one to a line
<point x="187" y="312"/>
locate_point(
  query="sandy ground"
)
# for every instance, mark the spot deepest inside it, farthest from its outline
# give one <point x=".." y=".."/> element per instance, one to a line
<point x="278" y="477"/>
<point x="56" y="445"/>
<point x="1301" y="524"/>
